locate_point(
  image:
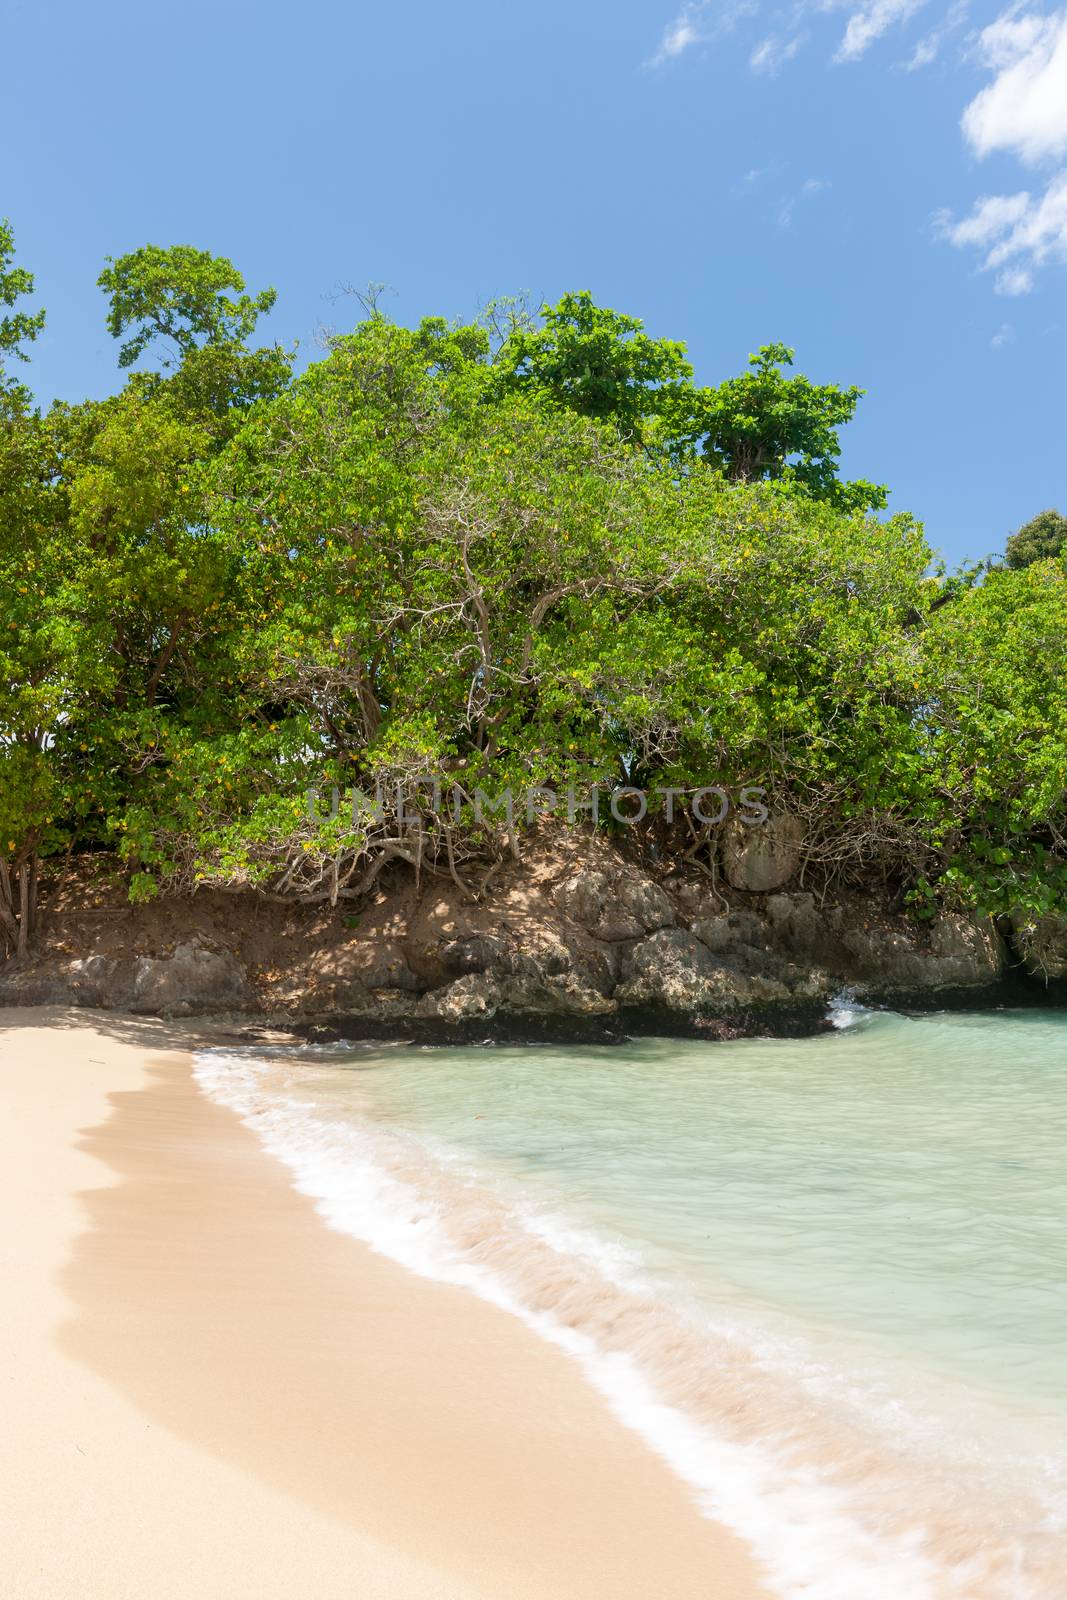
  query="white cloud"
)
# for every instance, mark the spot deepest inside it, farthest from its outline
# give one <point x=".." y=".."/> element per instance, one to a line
<point x="992" y="217"/>
<point x="771" y="54"/>
<point x="929" y="46"/>
<point x="1024" y="109"/>
<point x="1004" y="336"/>
<point x="678" y="36"/>
<point x="810" y="187"/>
<point x="925" y="52"/>
<point x="1016" y="234"/>
<point x="869" y="22"/>
<point x="697" y="23"/>
<point x="1014" y="280"/>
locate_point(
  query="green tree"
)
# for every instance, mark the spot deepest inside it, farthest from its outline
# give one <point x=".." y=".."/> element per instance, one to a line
<point x="16" y="327"/>
<point x="766" y="424"/>
<point x="993" y="719"/>
<point x="179" y="295"/>
<point x="54" y="665"/>
<point x="151" y="582"/>
<point x="407" y="553"/>
<point x="598" y="363"/>
<point x="1043" y="538"/>
<point x="495" y="554"/>
<point x="443" y="579"/>
<point x="32" y="667"/>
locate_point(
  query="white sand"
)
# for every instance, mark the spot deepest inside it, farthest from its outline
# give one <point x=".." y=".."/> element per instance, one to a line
<point x="209" y="1394"/>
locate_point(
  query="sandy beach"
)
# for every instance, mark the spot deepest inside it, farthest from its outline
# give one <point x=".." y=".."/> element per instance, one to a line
<point x="209" y="1392"/>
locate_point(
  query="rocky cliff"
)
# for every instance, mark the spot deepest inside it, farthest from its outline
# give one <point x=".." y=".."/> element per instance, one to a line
<point x="578" y="940"/>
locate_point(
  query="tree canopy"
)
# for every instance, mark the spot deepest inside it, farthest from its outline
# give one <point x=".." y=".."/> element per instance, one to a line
<point x="514" y="552"/>
<point x="177" y="295"/>
<point x="17" y="328"/>
<point x="1043" y="538"/>
<point x="599" y="363"/>
<point x="766" y="424"/>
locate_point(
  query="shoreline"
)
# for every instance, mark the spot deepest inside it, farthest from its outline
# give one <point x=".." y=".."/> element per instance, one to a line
<point x="578" y="943"/>
<point x="509" y="1028"/>
<point x="272" y="1407"/>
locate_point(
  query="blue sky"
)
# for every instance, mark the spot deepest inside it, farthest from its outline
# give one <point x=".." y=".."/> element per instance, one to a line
<point x="880" y="183"/>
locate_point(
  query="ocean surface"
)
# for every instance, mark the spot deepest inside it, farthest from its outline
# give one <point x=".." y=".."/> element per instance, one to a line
<point x="825" y="1279"/>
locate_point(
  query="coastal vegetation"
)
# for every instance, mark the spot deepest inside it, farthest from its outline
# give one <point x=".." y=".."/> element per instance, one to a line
<point x="529" y="550"/>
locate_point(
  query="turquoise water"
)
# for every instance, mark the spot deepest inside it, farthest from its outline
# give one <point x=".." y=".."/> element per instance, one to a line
<point x="841" y="1261"/>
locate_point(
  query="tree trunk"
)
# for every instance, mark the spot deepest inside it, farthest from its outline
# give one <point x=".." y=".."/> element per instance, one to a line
<point x="18" y="905"/>
<point x="24" y="909"/>
<point x="9" y="927"/>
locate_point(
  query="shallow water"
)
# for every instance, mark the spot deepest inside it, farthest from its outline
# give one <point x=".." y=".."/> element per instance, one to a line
<point x="826" y="1278"/>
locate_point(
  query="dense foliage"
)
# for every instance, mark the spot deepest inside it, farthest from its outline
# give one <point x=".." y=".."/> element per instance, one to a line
<point x="529" y="551"/>
<point x="1043" y="538"/>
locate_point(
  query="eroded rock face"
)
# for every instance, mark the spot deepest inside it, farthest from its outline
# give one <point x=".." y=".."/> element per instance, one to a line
<point x="615" y="908"/>
<point x="477" y="952"/>
<point x="592" y="941"/>
<point x="762" y="858"/>
<point x="731" y="930"/>
<point x="372" y="964"/>
<point x="192" y="979"/>
<point x="92" y="981"/>
<point x="483" y="995"/>
<point x="876" y="957"/>
<point x="1042" y="944"/>
<point x="967" y="950"/>
<point x="477" y="994"/>
<point x="961" y="954"/>
<point x="674" y="968"/>
<point x="797" y="924"/>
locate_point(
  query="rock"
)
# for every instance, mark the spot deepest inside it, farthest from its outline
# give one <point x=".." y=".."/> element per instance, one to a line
<point x="377" y="964"/>
<point x="714" y="933"/>
<point x="799" y="927"/>
<point x="475" y="995"/>
<point x="597" y="955"/>
<point x="729" y="932"/>
<point x="85" y="981"/>
<point x="761" y="858"/>
<point x="694" y="897"/>
<point x="350" y="1001"/>
<point x="582" y="898"/>
<point x="570" y="996"/>
<point x="192" y="979"/>
<point x="96" y="981"/>
<point x="959" y="953"/>
<point x="548" y="964"/>
<point x="646" y="903"/>
<point x="478" y="952"/>
<point x="327" y="996"/>
<point x="548" y="952"/>
<point x="617" y="908"/>
<point x="1042" y="944"/>
<point x="966" y="951"/>
<point x="883" y="958"/>
<point x="542" y="982"/>
<point x="675" y="969"/>
<point x="672" y="968"/>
